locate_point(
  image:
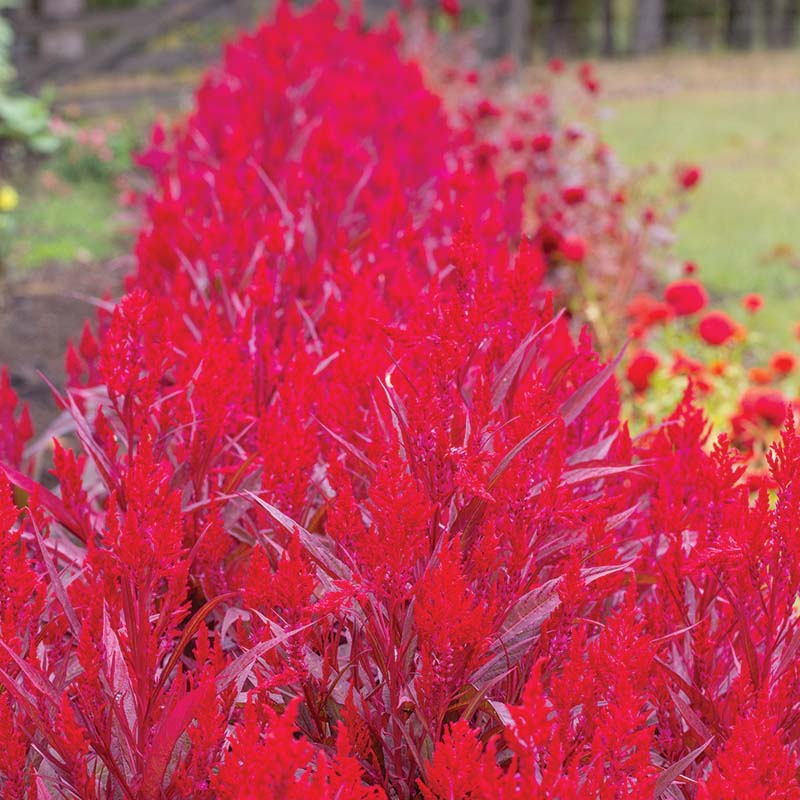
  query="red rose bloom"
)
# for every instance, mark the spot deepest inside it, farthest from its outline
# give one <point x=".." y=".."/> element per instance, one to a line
<point x="573" y="248"/>
<point x="640" y="369"/>
<point x="768" y="404"/>
<point x="752" y="302"/>
<point x="689" y="177"/>
<point x="486" y="108"/>
<point x="646" y="311"/>
<point x="588" y="78"/>
<point x="451" y="7"/>
<point x="516" y="143"/>
<point x="716" y="328"/>
<point x="783" y="362"/>
<point x="542" y="142"/>
<point x="686" y="297"/>
<point x="573" y="195"/>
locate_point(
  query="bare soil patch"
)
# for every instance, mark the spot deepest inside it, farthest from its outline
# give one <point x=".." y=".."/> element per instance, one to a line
<point x="39" y="312"/>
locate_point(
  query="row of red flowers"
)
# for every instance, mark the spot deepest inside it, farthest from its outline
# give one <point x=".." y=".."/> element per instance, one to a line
<point x="353" y="514"/>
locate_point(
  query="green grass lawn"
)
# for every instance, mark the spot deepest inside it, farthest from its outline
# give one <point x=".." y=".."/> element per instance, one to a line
<point x="744" y="225"/>
<point x="738" y="116"/>
<point x="77" y="223"/>
<point x="69" y="208"/>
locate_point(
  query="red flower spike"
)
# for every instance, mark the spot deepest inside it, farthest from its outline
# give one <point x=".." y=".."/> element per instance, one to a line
<point x="768" y="772"/>
<point x="341" y="454"/>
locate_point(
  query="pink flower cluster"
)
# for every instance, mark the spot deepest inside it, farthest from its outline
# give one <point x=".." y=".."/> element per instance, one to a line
<point x="354" y="515"/>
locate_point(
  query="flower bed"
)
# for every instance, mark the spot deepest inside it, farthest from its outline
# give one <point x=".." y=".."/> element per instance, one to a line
<point x="355" y="514"/>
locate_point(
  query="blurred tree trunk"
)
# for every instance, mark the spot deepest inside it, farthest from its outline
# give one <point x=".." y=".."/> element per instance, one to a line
<point x="648" y="32"/>
<point x="508" y="29"/>
<point x="519" y="23"/>
<point x="61" y="42"/>
<point x="741" y="24"/>
<point x="609" y="47"/>
<point x="584" y="13"/>
<point x="788" y="28"/>
<point x="561" y="32"/>
<point x="496" y="40"/>
<point x="772" y="23"/>
<point x="677" y="13"/>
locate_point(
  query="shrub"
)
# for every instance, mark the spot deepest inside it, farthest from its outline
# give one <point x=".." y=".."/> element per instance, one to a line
<point x="23" y="118"/>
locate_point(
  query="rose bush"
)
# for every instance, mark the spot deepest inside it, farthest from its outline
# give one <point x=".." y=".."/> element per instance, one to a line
<point x="679" y="342"/>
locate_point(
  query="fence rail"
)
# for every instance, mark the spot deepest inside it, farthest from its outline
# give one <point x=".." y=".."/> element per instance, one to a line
<point x="27" y="23"/>
<point x="60" y="40"/>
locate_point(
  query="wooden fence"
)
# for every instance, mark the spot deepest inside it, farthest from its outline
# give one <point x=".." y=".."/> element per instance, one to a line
<point x="60" y="40"/>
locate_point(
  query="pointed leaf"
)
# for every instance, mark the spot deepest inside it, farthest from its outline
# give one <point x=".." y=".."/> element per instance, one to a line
<point x="572" y="407"/>
<point x="186" y="636"/>
<point x="51" y="502"/>
<point x="687" y="712"/>
<point x="505" y="378"/>
<point x="324" y="558"/>
<point x="159" y="754"/>
<point x="669" y="775"/>
<point x="515" y="450"/>
<point x="59" y="588"/>
<point x="350" y="448"/>
<point x="35" y="675"/>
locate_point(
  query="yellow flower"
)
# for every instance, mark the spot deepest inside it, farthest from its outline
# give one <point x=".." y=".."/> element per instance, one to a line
<point x="9" y="199"/>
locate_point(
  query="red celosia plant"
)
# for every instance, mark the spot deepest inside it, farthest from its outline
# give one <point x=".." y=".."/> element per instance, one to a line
<point x="354" y="515"/>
